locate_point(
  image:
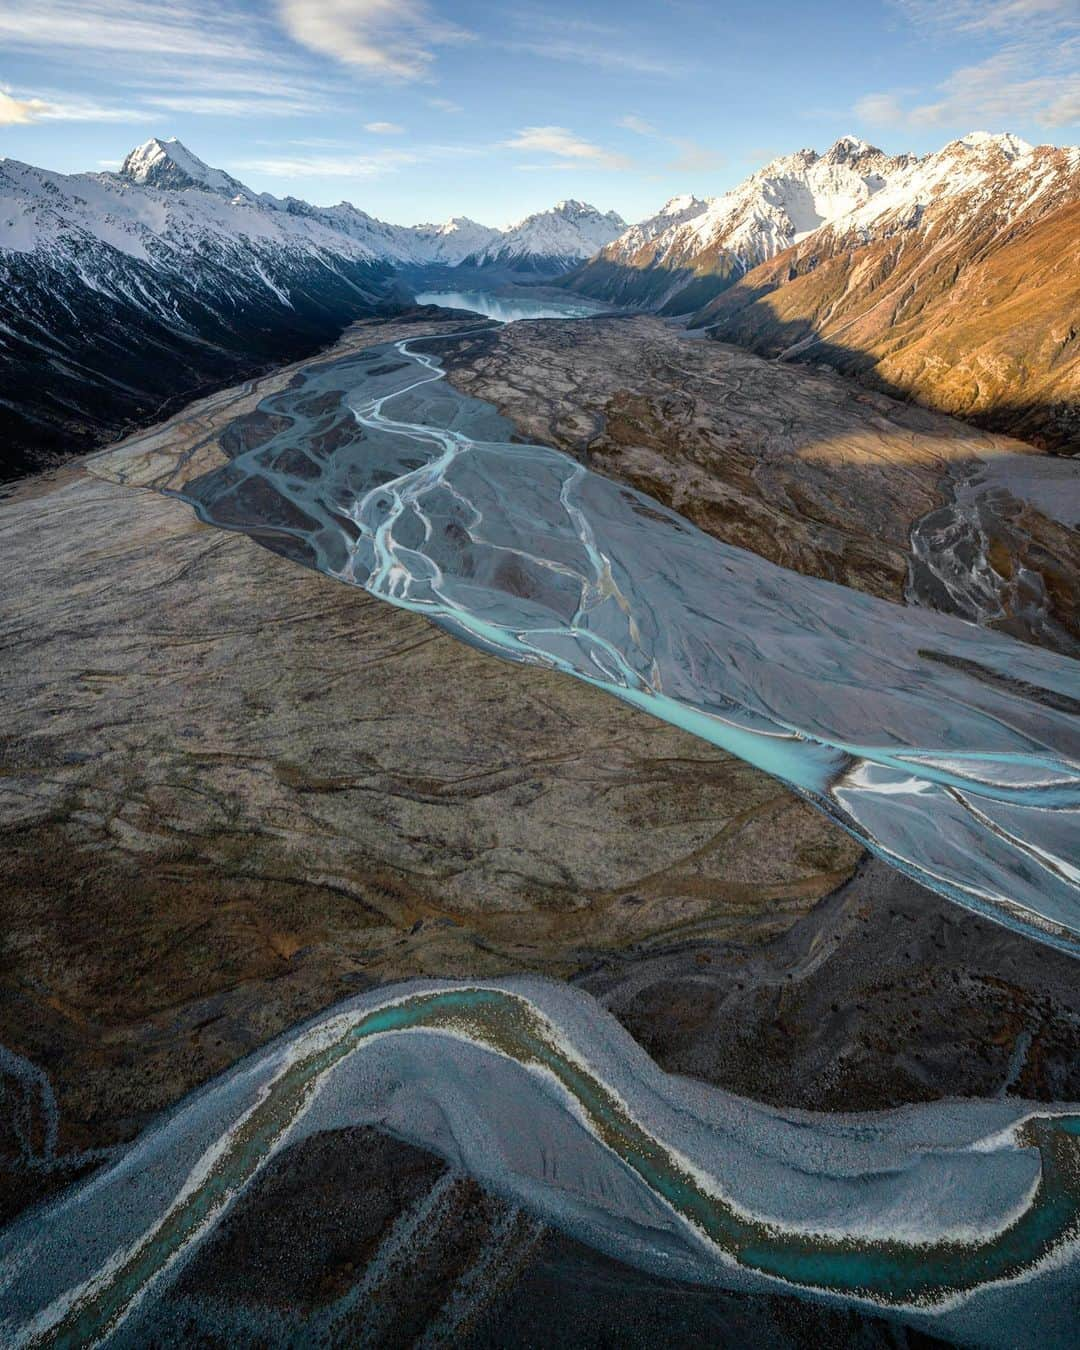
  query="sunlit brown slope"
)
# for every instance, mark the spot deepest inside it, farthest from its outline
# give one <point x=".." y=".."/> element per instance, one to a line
<point x="970" y="304"/>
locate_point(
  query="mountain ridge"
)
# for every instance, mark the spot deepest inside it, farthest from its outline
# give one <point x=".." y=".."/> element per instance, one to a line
<point x="952" y="278"/>
<point x="553" y="239"/>
<point x="958" y="285"/>
<point x="122" y="292"/>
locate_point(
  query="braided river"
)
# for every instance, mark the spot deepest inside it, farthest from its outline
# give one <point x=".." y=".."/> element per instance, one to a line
<point x="949" y="751"/>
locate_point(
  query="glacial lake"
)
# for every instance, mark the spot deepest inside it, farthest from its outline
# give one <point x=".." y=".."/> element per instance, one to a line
<point x="508" y="308"/>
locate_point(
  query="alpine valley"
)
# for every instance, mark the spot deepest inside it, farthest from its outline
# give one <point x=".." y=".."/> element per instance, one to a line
<point x="953" y="279"/>
<point x="126" y="293"/>
<point x="540" y="766"/>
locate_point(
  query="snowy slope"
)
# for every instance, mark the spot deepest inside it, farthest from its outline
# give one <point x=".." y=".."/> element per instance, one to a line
<point x="165" y="200"/>
<point x="560" y="237"/>
<point x="1000" y="174"/>
<point x="957" y="283"/>
<point x="723" y="237"/>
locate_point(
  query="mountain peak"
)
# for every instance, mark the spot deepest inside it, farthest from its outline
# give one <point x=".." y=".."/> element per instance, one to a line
<point x="1011" y="146"/>
<point x="170" y="164"/>
<point x="849" y="147"/>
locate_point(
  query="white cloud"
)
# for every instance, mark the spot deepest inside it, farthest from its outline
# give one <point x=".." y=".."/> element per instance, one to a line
<point x="332" y="166"/>
<point x="690" y="157"/>
<point x="15" y="110"/>
<point x="176" y="55"/>
<point x="1031" y="74"/>
<point x="1064" y="111"/>
<point x="556" y="166"/>
<point x="1015" y="18"/>
<point x="882" y="110"/>
<point x="124" y="25"/>
<point x="384" y="128"/>
<point x="589" y="54"/>
<point x="694" y="158"/>
<point x="446" y="105"/>
<point x="394" y="39"/>
<point x="372" y="164"/>
<point x="166" y="55"/>
<point x="565" y="146"/>
<point x="210" y="105"/>
<point x="584" y="42"/>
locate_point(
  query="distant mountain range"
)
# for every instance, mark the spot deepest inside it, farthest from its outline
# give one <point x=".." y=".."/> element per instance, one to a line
<point x="549" y="241"/>
<point x="953" y="277"/>
<point x="122" y="292"/>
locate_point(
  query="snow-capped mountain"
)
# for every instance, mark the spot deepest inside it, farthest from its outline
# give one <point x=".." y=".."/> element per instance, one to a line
<point x="168" y="164"/>
<point x="957" y="282"/>
<point x="692" y="248"/>
<point x="123" y="290"/>
<point x="546" y="241"/>
<point x="119" y="292"/>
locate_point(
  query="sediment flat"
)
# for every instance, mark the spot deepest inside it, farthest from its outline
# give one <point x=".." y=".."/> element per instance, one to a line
<point x="232" y="792"/>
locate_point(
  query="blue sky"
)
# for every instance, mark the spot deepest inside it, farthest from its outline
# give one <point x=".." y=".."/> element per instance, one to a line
<point x="421" y="109"/>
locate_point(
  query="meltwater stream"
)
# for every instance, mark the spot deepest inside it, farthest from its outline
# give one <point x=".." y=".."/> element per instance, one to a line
<point x="950" y="751"/>
<point x="961" y="1217"/>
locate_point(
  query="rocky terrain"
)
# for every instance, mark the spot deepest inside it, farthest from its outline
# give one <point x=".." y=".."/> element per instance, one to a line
<point x="796" y="464"/>
<point x="950" y="278"/>
<point x="232" y="792"/>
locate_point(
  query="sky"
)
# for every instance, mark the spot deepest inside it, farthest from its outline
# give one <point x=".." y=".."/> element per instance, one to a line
<point x="416" y="110"/>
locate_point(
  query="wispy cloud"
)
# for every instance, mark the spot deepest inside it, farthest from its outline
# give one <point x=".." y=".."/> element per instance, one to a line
<point x="15" y="110"/>
<point x="332" y="166"/>
<point x="147" y="26"/>
<point x="1010" y="17"/>
<point x="210" y="105"/>
<point x="446" y="105"/>
<point x="694" y="158"/>
<point x="690" y="157"/>
<point x="592" y="54"/>
<point x="631" y="122"/>
<point x="349" y="164"/>
<point x="1031" y="74"/>
<point x="565" y="146"/>
<point x="584" y="42"/>
<point x="393" y="39"/>
<point x="384" y="128"/>
<point x="179" y="57"/>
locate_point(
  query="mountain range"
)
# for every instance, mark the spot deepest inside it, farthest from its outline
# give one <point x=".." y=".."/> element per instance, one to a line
<point x="953" y="278"/>
<point x="124" y="292"/>
<point x="547" y="242"/>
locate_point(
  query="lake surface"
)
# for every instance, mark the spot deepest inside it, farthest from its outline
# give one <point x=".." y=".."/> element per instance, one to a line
<point x="509" y="308"/>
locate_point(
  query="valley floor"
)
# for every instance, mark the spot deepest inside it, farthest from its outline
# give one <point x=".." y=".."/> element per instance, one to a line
<point x="232" y="793"/>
